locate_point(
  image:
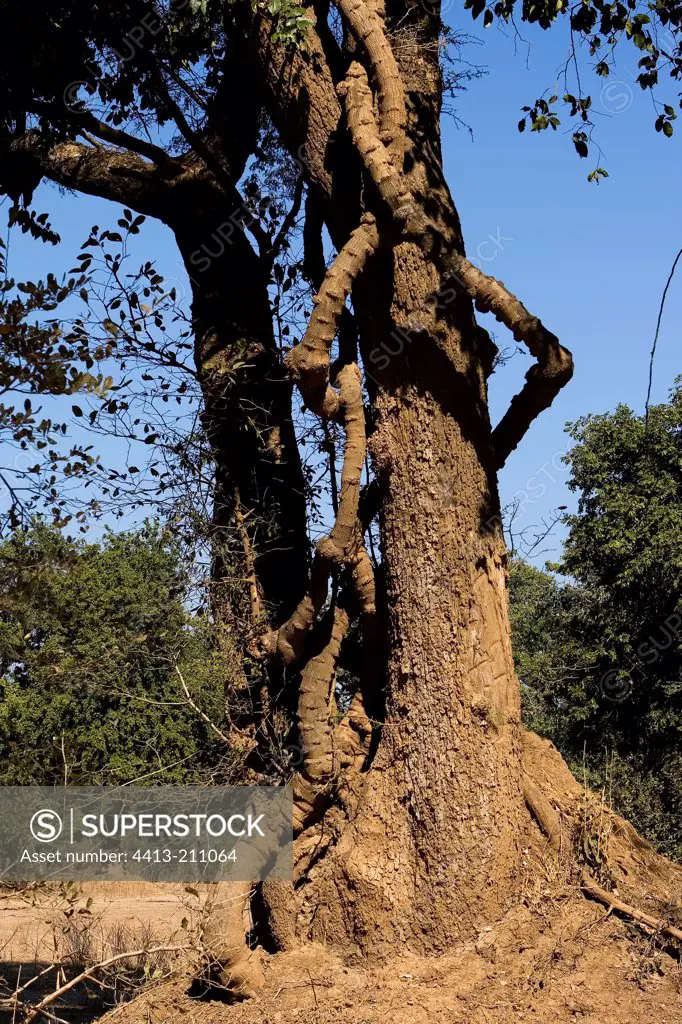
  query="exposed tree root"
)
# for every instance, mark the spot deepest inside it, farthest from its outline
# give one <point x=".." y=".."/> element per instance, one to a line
<point x="229" y="961"/>
<point x="543" y="812"/>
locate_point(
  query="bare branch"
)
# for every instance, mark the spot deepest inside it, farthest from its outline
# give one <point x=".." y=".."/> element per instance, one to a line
<point x="195" y="707"/>
<point x="590" y="887"/>
<point x="287" y="224"/>
<point x="63" y="989"/>
<point x="658" y="327"/>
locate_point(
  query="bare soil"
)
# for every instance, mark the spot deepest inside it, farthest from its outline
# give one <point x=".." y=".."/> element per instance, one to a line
<point x="568" y="961"/>
<point x="34" y="924"/>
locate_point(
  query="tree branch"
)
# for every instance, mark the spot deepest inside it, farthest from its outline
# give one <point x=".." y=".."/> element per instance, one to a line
<point x="63" y="989"/>
<point x="122" y="177"/>
<point x="88" y="122"/>
<point x="287" y="224"/>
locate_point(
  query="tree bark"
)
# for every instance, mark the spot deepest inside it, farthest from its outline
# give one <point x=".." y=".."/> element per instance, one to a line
<point x="431" y="850"/>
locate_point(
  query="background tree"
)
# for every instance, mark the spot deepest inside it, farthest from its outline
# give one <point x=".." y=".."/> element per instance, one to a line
<point x="600" y="658"/>
<point x="91" y="640"/>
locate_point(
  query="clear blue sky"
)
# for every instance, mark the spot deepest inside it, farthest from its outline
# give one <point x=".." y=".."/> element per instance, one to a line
<point x="590" y="260"/>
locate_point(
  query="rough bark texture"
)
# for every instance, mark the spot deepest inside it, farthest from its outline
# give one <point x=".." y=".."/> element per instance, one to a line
<point x="432" y="850"/>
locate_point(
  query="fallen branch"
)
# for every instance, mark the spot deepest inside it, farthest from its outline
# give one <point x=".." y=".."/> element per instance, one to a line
<point x="590" y="888"/>
<point x="58" y="992"/>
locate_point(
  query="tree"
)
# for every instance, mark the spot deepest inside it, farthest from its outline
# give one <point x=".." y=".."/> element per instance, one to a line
<point x="599" y="656"/>
<point x="38" y="357"/>
<point x="426" y="759"/>
<point x="551" y="637"/>
<point x="91" y="639"/>
<point x="625" y="548"/>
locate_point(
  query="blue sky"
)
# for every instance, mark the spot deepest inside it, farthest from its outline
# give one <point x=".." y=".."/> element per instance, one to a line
<point x="590" y="260"/>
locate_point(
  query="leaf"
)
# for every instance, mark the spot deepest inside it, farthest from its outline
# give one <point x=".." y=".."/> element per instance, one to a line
<point x="580" y="143"/>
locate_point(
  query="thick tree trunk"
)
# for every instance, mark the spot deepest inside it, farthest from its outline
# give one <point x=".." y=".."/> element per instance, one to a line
<point x="431" y="849"/>
<point x="425" y="847"/>
<point x="257" y="535"/>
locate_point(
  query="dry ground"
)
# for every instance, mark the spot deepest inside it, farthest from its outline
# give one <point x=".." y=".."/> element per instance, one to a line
<point x="555" y="957"/>
<point x="575" y="964"/>
<point x="31" y="922"/>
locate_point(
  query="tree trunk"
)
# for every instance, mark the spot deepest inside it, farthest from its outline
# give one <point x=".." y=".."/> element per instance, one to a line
<point x="425" y="847"/>
<point x="431" y="850"/>
<point x="259" y="523"/>
<point x="257" y="535"/>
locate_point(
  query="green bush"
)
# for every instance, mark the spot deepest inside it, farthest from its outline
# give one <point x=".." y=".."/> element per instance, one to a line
<point x="600" y="658"/>
<point x="90" y="637"/>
